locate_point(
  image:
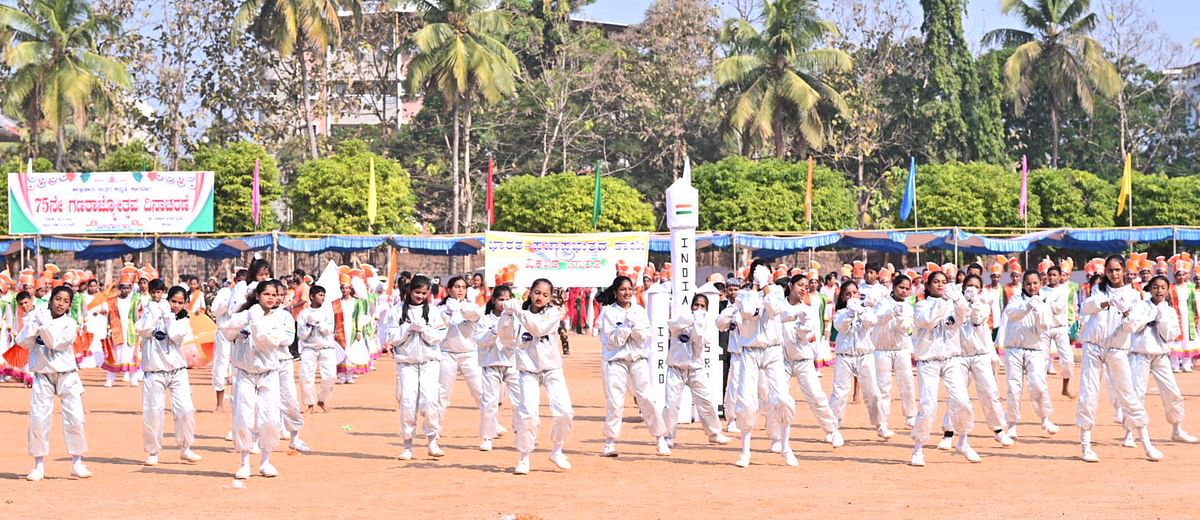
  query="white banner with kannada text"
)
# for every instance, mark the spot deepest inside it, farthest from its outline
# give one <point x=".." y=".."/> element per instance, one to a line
<point x="567" y="260"/>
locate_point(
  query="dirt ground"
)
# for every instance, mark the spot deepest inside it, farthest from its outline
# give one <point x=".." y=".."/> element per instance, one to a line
<point x="353" y="471"/>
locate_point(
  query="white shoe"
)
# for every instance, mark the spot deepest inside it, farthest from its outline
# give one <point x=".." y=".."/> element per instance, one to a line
<point x="522" y="466"/>
<point x="1003" y="439"/>
<point x="108" y="384"/>
<point x="1181" y="436"/>
<point x="560" y="459"/>
<point x="835" y="439"/>
<point x="255" y="450"/>
<point x="1129" y="441"/>
<point x="918" y="459"/>
<point x="1152" y="453"/>
<point x="789" y="458"/>
<point x="663" y="449"/>
<point x="1089" y="455"/>
<point x="946" y="443"/>
<point x="152" y="460"/>
<point x="267" y="470"/>
<point x="485" y="445"/>
<point x="124" y="377"/>
<point x="80" y="471"/>
<point x="719" y="439"/>
<point x="1187" y="367"/>
<point x="610" y="450"/>
<point x="743" y="460"/>
<point x="1050" y="427"/>
<point x="500" y="431"/>
<point x="732" y="428"/>
<point x="406" y="454"/>
<point x="1050" y="369"/>
<point x="190" y="456"/>
<point x="299" y="446"/>
<point x="285" y="435"/>
<point x="776" y="447"/>
<point x="885" y="433"/>
<point x="1012" y="432"/>
<point x="242" y="473"/>
<point x="910" y="422"/>
<point x="435" y="450"/>
<point x="36" y="475"/>
<point x="229" y="436"/>
<point x="968" y="452"/>
<point x="671" y="442"/>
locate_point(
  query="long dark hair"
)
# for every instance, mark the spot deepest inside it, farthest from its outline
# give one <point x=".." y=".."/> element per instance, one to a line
<point x="252" y="298"/>
<point x="450" y="283"/>
<point x="787" y="290"/>
<point x="528" y="305"/>
<point x="1104" y="286"/>
<point x="497" y="292"/>
<point x="929" y="281"/>
<point x="609" y="295"/>
<point x="841" y="297"/>
<point x="259" y="265"/>
<point x="757" y="262"/>
<point x="417" y="282"/>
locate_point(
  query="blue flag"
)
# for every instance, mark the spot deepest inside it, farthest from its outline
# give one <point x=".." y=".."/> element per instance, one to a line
<point x="910" y="190"/>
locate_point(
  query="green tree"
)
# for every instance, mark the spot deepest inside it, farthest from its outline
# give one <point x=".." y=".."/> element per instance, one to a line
<point x="16" y="165"/>
<point x="971" y="195"/>
<point x="951" y="79"/>
<point x="1159" y="200"/>
<point x="737" y="193"/>
<point x="57" y="66"/>
<point x="128" y="158"/>
<point x="234" y="168"/>
<point x="562" y="203"/>
<point x="1073" y="198"/>
<point x="330" y="195"/>
<point x="777" y="76"/>
<point x="1057" y="57"/>
<point x="461" y="56"/>
<point x="284" y="25"/>
<point x="985" y="112"/>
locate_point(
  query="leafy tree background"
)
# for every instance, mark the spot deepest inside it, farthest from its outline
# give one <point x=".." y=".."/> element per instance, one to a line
<point x="330" y="195"/>
<point x="562" y="203"/>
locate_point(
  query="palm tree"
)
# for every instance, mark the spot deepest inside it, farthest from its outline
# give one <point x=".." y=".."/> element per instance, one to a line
<point x="460" y="55"/>
<point x="58" y="69"/>
<point x="285" y="26"/>
<point x="1056" y="57"/>
<point x="776" y="72"/>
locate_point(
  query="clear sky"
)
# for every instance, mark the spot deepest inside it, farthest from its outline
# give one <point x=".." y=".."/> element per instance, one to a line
<point x="1176" y="18"/>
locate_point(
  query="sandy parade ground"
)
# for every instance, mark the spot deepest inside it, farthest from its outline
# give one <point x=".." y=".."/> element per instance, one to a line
<point x="353" y="471"/>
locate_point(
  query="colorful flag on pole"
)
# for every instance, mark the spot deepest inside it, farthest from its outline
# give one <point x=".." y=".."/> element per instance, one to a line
<point x="808" y="198"/>
<point x="1126" y="184"/>
<point x="909" y="201"/>
<point x="254" y="202"/>
<point x="489" y="203"/>
<point x="372" y="196"/>
<point x="1024" y="186"/>
<point x="597" y="200"/>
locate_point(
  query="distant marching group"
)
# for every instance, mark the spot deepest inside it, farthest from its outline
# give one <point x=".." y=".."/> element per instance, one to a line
<point x="873" y="324"/>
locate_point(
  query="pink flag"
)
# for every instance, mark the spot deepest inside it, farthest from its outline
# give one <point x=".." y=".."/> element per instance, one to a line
<point x="254" y="202"/>
<point x="1024" y="185"/>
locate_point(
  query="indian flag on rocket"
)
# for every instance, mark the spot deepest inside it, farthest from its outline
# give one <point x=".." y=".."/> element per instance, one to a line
<point x="684" y="209"/>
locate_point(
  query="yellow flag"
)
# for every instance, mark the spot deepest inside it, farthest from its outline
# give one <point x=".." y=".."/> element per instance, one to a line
<point x="372" y="203"/>
<point x="1126" y="185"/>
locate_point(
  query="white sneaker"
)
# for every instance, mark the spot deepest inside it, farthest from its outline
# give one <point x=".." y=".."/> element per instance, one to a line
<point x="732" y="428"/>
<point x="719" y="438"/>
<point x="267" y="470"/>
<point x="946" y="443"/>
<point x="671" y="442"/>
<point x="789" y="458"/>
<point x="743" y="460"/>
<point x="81" y="471"/>
<point x="435" y="450"/>
<point x="406" y="454"/>
<point x="485" y="445"/>
<point x="151" y="460"/>
<point x="229" y="436"/>
<point x="1012" y="432"/>
<point x="190" y="456"/>
<point x="285" y="435"/>
<point x="776" y="447"/>
<point x="663" y="449"/>
<point x="967" y="451"/>
<point x="1130" y="441"/>
<point x="910" y="422"/>
<point x="1050" y="427"/>
<point x="108" y="384"/>
<point x="835" y="439"/>
<point x="1089" y="455"/>
<point x="1181" y="436"/>
<point x="1050" y="369"/>
<point x="610" y="449"/>
<point x="522" y="466"/>
<point x="255" y="450"/>
<point x="36" y="475"/>
<point x="1003" y="439"/>
<point x="299" y="446"/>
<point x="885" y="433"/>
<point x="500" y="431"/>
<point x="918" y="459"/>
<point x="1187" y="367"/>
<point x="560" y="459"/>
<point x="1152" y="453"/>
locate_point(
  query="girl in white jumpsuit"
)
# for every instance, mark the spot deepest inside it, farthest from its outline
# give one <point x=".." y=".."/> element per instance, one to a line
<point x="800" y="340"/>
<point x="625" y="336"/>
<point x="1155" y="325"/>
<point x="163" y="327"/>
<point x="856" y="357"/>
<point x="48" y="335"/>
<point x="318" y="350"/>
<point x="936" y="347"/>
<point x="415" y="338"/>
<point x="499" y="367"/>
<point x="1108" y="326"/>
<point x="258" y="331"/>
<point x="685" y="365"/>
<point x="1026" y="353"/>
<point x="892" y="336"/>
<point x="534" y="337"/>
<point x="459" y="352"/>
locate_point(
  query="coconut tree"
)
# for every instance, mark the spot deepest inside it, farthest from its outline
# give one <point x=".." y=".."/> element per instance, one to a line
<point x="460" y="55"/>
<point x="288" y="26"/>
<point x="1055" y="57"/>
<point x="57" y="67"/>
<point x="776" y="74"/>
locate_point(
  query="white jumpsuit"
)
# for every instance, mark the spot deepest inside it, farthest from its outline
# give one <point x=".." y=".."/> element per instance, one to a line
<point x="499" y="372"/>
<point x="977" y="355"/>
<point x="459" y="353"/>
<point x="892" y="336"/>
<point x="625" y="337"/>
<point x="1057" y="334"/>
<point x="534" y="337"/>
<point x="414" y="337"/>
<point x="1155" y="326"/>
<point x="55" y="374"/>
<point x="855" y="358"/>
<point x="685" y="369"/>
<point x="1025" y="355"/>
<point x="165" y="368"/>
<point x="760" y="336"/>
<point x="318" y="353"/>
<point x="800" y="341"/>
<point x="1106" y="338"/>
<point x="937" y="348"/>
<point x="256" y="339"/>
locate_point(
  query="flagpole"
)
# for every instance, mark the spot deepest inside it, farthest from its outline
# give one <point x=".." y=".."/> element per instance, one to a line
<point x="916" y="223"/>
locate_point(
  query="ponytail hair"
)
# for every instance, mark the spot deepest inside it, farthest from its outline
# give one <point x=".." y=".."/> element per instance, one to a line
<point x="498" y="291"/>
<point x="177" y="290"/>
<point x="1104" y="284"/>
<point x="841" y="297"/>
<point x="417" y="282"/>
<point x="528" y="305"/>
<point x="609" y="295"/>
<point x="252" y="298"/>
